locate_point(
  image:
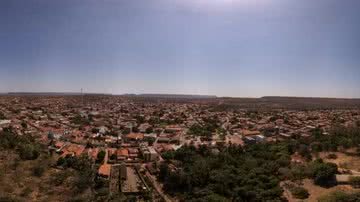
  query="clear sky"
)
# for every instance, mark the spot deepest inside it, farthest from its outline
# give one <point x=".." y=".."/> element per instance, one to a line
<point x="244" y="48"/>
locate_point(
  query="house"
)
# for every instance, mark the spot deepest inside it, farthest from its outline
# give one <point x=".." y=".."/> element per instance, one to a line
<point x="173" y="129"/>
<point x="122" y="154"/>
<point x="259" y="138"/>
<point x="103" y="130"/>
<point x="59" y="144"/>
<point x="150" y="136"/>
<point x="250" y="133"/>
<point x="134" y="136"/>
<point x="133" y="152"/>
<point x="164" y="148"/>
<point x="5" y="123"/>
<point x="175" y="139"/>
<point x="73" y="150"/>
<point x="249" y="140"/>
<point x="93" y="153"/>
<point x="163" y="140"/>
<point x="104" y="170"/>
<point x="143" y="127"/>
<point x="150" y="154"/>
<point x="285" y="135"/>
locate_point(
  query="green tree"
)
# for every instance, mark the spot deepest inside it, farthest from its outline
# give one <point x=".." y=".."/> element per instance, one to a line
<point x="125" y="131"/>
<point x="24" y="125"/>
<point x="164" y="171"/>
<point x="149" y="130"/>
<point x="323" y="173"/>
<point x="100" y="156"/>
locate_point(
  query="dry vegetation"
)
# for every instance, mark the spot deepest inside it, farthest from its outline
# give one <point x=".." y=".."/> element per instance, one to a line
<point x="344" y="161"/>
<point x="317" y="192"/>
<point x="35" y="180"/>
<point x="28" y="181"/>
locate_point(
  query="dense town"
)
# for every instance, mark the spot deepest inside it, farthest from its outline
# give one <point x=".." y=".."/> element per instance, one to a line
<point x="127" y="139"/>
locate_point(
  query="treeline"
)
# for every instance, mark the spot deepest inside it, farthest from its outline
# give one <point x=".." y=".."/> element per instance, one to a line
<point x="294" y="103"/>
<point x="253" y="172"/>
<point x="339" y="138"/>
<point x="230" y="175"/>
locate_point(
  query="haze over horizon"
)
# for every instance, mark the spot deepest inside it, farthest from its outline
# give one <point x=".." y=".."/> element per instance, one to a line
<point x="236" y="48"/>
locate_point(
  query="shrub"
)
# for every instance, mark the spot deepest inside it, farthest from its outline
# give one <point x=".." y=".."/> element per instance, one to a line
<point x="26" y="192"/>
<point x="60" y="177"/>
<point x="149" y="130"/>
<point x="113" y="157"/>
<point x="28" y="152"/>
<point x="8" y="198"/>
<point x="83" y="181"/>
<point x="24" y="125"/>
<point x="60" y="161"/>
<point x="339" y="196"/>
<point x="38" y="170"/>
<point x="94" y="130"/>
<point x="299" y="192"/>
<point x="355" y="181"/>
<point x="101" y="183"/>
<point x="102" y="191"/>
<point x="298" y="172"/>
<point x="2" y="116"/>
<point x="332" y="156"/>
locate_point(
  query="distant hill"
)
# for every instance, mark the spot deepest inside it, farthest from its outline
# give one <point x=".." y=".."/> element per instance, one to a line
<point x="302" y="98"/>
<point x="51" y="93"/>
<point x="181" y="96"/>
<point x="278" y="102"/>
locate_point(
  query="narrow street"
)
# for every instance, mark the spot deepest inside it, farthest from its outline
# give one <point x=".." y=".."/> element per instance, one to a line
<point x="158" y="188"/>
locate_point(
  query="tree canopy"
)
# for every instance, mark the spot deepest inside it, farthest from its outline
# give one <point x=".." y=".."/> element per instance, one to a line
<point x="233" y="174"/>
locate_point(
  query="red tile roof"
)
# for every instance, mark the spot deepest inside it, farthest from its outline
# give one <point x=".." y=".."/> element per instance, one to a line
<point x="122" y="152"/>
<point x="104" y="170"/>
<point x="135" y="136"/>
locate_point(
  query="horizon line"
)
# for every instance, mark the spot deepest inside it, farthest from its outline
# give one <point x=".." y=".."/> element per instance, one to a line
<point x="172" y="94"/>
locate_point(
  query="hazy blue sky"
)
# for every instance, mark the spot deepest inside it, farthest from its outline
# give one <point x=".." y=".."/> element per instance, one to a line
<point x="223" y="47"/>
